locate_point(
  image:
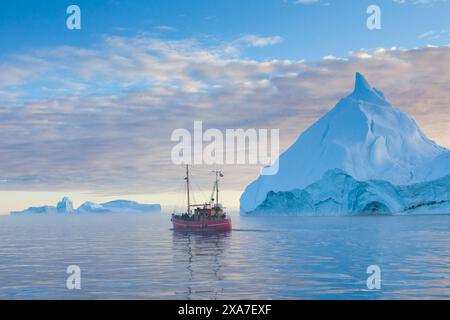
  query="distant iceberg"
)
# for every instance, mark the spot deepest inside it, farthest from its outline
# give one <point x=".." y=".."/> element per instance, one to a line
<point x="118" y="206"/>
<point x="36" y="210"/>
<point x="65" y="206"/>
<point x="369" y="140"/>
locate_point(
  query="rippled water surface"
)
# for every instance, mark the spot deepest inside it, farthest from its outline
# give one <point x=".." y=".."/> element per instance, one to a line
<point x="140" y="257"/>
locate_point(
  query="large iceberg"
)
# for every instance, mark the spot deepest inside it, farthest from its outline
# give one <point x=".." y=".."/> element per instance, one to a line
<point x="65" y="206"/>
<point x="337" y="193"/>
<point x="365" y="137"/>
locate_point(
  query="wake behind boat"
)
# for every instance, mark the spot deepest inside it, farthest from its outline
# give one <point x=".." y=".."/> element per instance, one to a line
<point x="205" y="217"/>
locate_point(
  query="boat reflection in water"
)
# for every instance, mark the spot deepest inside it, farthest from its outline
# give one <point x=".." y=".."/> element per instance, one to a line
<point x="200" y="257"/>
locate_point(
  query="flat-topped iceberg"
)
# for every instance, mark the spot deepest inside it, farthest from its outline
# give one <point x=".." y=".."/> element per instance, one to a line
<point x="118" y="206"/>
<point x="65" y="206"/>
<point x="36" y="210"/>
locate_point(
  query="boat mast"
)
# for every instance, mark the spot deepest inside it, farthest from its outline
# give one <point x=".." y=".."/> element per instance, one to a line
<point x="187" y="188"/>
<point x="217" y="189"/>
<point x="214" y="201"/>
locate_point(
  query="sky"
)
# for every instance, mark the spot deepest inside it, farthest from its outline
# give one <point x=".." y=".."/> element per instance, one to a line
<point x="89" y="113"/>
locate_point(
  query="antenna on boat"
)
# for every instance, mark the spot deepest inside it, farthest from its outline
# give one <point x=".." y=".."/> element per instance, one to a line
<point x="187" y="188"/>
<point x="216" y="189"/>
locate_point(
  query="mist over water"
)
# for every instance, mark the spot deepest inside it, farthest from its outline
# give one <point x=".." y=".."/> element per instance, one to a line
<point x="141" y="257"/>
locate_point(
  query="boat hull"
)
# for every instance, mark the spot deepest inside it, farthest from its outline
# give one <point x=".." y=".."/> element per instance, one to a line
<point x="205" y="225"/>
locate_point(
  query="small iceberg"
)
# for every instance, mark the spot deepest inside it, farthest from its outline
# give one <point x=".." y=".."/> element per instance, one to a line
<point x="65" y="206"/>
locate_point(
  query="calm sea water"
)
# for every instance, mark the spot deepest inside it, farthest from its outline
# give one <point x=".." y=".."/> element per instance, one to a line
<point x="140" y="257"/>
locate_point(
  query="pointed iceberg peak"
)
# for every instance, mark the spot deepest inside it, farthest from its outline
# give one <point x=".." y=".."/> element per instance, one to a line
<point x="65" y="206"/>
<point x="364" y="91"/>
<point x="361" y="84"/>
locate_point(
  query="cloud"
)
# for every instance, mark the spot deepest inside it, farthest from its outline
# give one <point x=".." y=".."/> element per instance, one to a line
<point x="257" y="41"/>
<point x="306" y="1"/>
<point x="309" y="2"/>
<point x="101" y="119"/>
<point x="415" y="2"/>
<point x="433" y="35"/>
<point x="165" y="28"/>
<point x="418" y="2"/>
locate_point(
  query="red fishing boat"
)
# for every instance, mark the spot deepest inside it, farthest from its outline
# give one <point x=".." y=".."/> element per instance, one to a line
<point x="204" y="217"/>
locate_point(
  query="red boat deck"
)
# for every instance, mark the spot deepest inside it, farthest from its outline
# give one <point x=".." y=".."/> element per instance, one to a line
<point x="202" y="225"/>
